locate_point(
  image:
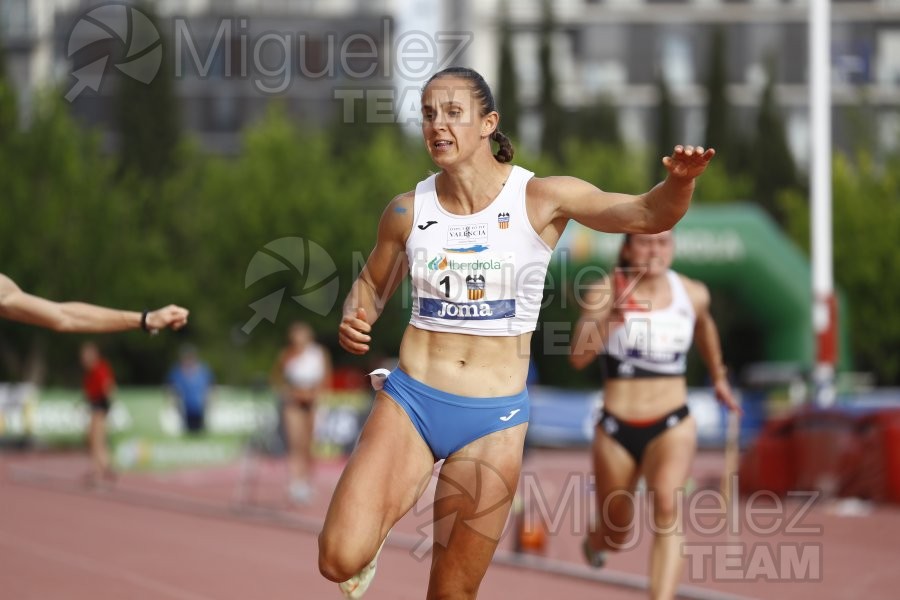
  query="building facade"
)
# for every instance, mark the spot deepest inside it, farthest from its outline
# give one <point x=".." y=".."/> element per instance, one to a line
<point x="613" y="50"/>
<point x="229" y="59"/>
<point x="328" y="60"/>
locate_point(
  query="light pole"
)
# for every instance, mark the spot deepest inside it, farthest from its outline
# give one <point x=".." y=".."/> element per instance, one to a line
<point x="824" y="310"/>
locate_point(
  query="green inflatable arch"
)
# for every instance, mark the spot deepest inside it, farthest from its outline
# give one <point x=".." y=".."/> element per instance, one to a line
<point x="738" y="248"/>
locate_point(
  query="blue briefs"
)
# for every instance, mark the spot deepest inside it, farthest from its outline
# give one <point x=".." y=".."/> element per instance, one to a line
<point x="448" y="422"/>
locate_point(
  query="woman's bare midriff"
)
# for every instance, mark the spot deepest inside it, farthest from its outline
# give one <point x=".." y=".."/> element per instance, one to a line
<point x="466" y="365"/>
<point x="644" y="398"/>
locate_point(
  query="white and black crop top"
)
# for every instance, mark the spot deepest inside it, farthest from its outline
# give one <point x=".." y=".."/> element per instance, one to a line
<point x="479" y="274"/>
<point x="652" y="343"/>
<point x="306" y="369"/>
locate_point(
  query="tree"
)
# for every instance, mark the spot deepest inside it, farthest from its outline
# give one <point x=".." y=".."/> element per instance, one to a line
<point x="508" y="87"/>
<point x="666" y="134"/>
<point x="719" y="186"/>
<point x="355" y="128"/>
<point x="861" y="121"/>
<point x="597" y="123"/>
<point x="239" y="205"/>
<point x="718" y="126"/>
<point x="147" y="115"/>
<point x="773" y="168"/>
<point x="8" y="110"/>
<point x="69" y="232"/>
<point x="866" y="217"/>
<point x="552" y="130"/>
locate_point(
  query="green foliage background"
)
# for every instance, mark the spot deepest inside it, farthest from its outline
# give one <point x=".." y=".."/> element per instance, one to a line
<point x="75" y="228"/>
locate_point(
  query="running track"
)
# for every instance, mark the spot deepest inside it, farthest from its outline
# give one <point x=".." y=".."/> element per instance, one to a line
<point x="181" y="536"/>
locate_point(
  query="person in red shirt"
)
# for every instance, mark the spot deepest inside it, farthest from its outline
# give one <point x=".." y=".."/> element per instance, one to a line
<point x="99" y="386"/>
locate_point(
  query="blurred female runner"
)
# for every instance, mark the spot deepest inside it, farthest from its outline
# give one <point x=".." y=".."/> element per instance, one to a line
<point x="642" y="322"/>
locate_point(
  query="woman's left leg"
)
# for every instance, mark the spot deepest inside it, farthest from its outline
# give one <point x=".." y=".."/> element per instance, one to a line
<point x="666" y="466"/>
<point x="474" y="493"/>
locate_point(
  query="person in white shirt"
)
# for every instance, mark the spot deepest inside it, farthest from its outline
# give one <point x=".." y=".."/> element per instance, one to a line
<point x="302" y="373"/>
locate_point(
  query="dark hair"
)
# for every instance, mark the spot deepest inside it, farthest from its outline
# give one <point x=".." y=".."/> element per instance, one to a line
<point x="482" y="91"/>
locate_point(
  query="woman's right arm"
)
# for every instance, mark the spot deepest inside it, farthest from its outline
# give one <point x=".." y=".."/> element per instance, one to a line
<point x="588" y="339"/>
<point x="385" y="268"/>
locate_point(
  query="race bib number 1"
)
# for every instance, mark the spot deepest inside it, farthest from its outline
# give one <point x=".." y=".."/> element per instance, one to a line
<point x="468" y="286"/>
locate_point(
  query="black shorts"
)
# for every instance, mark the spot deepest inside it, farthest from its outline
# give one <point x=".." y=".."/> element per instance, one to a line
<point x="635" y="438"/>
<point x="102" y="405"/>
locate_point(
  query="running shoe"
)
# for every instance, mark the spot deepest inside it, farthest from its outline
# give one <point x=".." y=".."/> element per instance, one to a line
<point x="595" y="558"/>
<point x="300" y="492"/>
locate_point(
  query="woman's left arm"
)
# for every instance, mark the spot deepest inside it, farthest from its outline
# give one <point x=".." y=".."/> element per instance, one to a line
<point x="706" y="335"/>
<point x="651" y="212"/>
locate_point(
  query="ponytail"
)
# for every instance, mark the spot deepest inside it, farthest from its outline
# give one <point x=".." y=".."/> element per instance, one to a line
<point x="506" y="152"/>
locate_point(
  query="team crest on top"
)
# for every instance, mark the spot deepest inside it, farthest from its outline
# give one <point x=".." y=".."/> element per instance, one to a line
<point x="503" y="220"/>
<point x="475" y="287"/>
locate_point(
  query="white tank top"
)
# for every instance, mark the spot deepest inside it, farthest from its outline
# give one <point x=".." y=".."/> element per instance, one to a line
<point x="306" y="369"/>
<point x="656" y="342"/>
<point x="480" y="274"/>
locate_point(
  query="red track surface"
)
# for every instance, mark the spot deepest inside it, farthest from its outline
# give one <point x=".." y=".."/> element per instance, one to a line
<point x="179" y="536"/>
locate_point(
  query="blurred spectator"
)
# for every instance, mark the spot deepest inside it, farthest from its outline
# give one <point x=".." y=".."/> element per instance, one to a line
<point x="302" y="373"/>
<point x="190" y="383"/>
<point x="99" y="386"/>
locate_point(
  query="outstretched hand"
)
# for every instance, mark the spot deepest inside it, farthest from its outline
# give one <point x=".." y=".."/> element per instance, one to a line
<point x="171" y="316"/>
<point x="688" y="162"/>
<point x="353" y="333"/>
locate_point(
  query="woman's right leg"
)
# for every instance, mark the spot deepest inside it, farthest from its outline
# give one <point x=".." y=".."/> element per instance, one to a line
<point x="383" y="479"/>
<point x="615" y="477"/>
